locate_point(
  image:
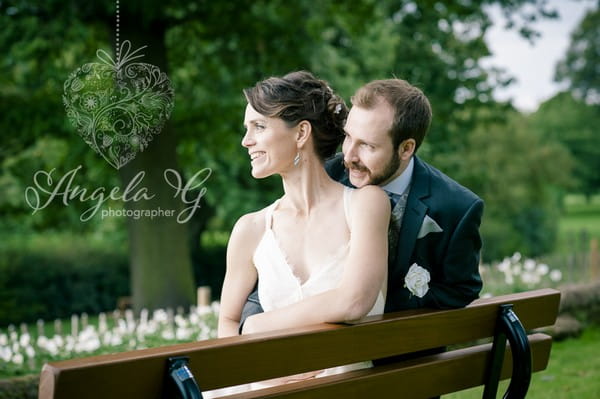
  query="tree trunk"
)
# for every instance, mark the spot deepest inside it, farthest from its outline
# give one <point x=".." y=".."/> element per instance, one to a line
<point x="161" y="269"/>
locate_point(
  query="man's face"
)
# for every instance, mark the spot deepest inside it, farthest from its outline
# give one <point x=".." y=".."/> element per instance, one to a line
<point x="368" y="151"/>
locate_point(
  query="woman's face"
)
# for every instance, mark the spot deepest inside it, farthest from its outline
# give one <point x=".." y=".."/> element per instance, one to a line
<point x="271" y="144"/>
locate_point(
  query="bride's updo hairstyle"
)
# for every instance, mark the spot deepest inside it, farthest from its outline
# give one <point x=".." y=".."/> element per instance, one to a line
<point x="299" y="96"/>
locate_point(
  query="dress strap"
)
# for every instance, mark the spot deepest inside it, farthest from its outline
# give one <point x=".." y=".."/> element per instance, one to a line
<point x="347" y="200"/>
<point x="269" y="215"/>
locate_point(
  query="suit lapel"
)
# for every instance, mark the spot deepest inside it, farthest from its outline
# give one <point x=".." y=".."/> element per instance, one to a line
<point x="413" y="215"/>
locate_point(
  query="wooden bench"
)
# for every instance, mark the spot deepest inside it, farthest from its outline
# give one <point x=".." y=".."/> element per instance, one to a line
<point x="224" y="362"/>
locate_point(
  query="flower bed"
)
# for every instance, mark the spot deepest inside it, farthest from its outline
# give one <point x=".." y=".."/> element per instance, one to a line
<point x="23" y="352"/>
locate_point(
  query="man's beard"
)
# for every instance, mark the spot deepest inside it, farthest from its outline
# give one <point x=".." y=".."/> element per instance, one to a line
<point x="388" y="171"/>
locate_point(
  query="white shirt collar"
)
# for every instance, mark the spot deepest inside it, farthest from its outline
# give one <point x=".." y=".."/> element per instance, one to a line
<point x="400" y="184"/>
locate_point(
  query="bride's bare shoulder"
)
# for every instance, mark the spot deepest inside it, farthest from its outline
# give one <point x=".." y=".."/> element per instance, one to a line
<point x="373" y="195"/>
<point x="250" y="225"/>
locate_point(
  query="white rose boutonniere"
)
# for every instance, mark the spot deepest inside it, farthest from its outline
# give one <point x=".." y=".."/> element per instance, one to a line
<point x="417" y="280"/>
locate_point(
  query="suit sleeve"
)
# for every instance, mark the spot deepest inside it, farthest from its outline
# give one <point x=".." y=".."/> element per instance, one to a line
<point x="251" y="307"/>
<point x="334" y="167"/>
<point x="457" y="281"/>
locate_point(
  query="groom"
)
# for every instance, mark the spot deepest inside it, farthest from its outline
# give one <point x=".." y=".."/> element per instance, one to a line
<point x="435" y="221"/>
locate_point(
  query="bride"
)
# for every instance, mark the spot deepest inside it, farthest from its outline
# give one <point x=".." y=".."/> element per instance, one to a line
<point x="321" y="243"/>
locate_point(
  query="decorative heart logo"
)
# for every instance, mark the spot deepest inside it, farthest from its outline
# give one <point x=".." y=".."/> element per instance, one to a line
<point x="118" y="107"/>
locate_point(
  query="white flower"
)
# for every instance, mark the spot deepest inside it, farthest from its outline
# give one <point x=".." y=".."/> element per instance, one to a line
<point x="530" y="278"/>
<point x="180" y="321"/>
<point x="5" y="354"/>
<point x="194" y="319"/>
<point x="543" y="269"/>
<point x="555" y="275"/>
<point x="516" y="257"/>
<point x="17" y="358"/>
<point x="42" y="341"/>
<point x="529" y="264"/>
<point x="516" y="269"/>
<point x="121" y="326"/>
<point x="102" y="324"/>
<point x="160" y="315"/>
<point x="116" y="340"/>
<point x="51" y="348"/>
<point x="144" y="316"/>
<point x="183" y="333"/>
<point x="416" y="280"/>
<point x="168" y="335"/>
<point x="202" y="310"/>
<point x="504" y="266"/>
<point x="30" y="352"/>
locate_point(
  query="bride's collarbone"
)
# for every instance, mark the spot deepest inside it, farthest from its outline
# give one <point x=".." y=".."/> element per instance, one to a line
<point x="316" y="218"/>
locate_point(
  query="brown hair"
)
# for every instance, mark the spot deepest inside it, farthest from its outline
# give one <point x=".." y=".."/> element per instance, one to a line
<point x="412" y="111"/>
<point x="300" y="96"/>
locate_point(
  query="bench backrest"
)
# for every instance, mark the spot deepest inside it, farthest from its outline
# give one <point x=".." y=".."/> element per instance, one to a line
<point x="237" y="360"/>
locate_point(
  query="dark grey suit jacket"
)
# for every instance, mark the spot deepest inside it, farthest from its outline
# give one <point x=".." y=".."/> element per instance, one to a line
<point x="450" y="256"/>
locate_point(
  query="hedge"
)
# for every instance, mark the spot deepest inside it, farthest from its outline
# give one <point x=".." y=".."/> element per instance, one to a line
<point x="20" y="387"/>
<point x="50" y="285"/>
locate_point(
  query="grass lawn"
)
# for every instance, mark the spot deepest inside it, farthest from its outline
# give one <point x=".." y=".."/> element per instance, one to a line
<point x="581" y="217"/>
<point x="573" y="372"/>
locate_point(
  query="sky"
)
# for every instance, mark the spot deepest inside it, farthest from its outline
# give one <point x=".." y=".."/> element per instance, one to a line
<point x="533" y="65"/>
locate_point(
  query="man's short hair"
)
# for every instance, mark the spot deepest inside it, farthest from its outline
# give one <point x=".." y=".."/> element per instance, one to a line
<point x="412" y="111"/>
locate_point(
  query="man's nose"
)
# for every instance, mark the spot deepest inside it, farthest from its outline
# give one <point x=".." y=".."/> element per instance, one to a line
<point x="350" y="154"/>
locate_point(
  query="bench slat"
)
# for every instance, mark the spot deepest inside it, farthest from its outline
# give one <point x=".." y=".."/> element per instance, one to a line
<point x="426" y="377"/>
<point x="238" y="360"/>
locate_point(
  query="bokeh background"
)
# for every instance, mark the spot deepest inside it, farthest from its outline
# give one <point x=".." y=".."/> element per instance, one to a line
<point x="535" y="162"/>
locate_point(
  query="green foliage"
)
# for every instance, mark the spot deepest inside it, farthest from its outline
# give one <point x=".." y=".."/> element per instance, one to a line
<point x="434" y="46"/>
<point x="56" y="282"/>
<point x="575" y="124"/>
<point x="581" y="220"/>
<point x="20" y="388"/>
<point x="209" y="268"/>
<point x="215" y="49"/>
<point x="54" y="275"/>
<point x="580" y="66"/>
<point x="520" y="175"/>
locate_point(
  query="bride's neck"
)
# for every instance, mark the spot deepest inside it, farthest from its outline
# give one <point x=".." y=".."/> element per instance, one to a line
<point x="307" y="185"/>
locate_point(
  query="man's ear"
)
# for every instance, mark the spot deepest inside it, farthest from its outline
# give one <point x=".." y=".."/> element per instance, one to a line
<point x="304" y="132"/>
<point x="406" y="149"/>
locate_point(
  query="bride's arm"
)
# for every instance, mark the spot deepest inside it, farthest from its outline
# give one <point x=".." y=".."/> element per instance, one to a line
<point x="240" y="276"/>
<point x="363" y="274"/>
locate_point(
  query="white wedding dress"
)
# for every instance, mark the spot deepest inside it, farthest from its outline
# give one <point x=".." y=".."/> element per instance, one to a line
<point x="279" y="287"/>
